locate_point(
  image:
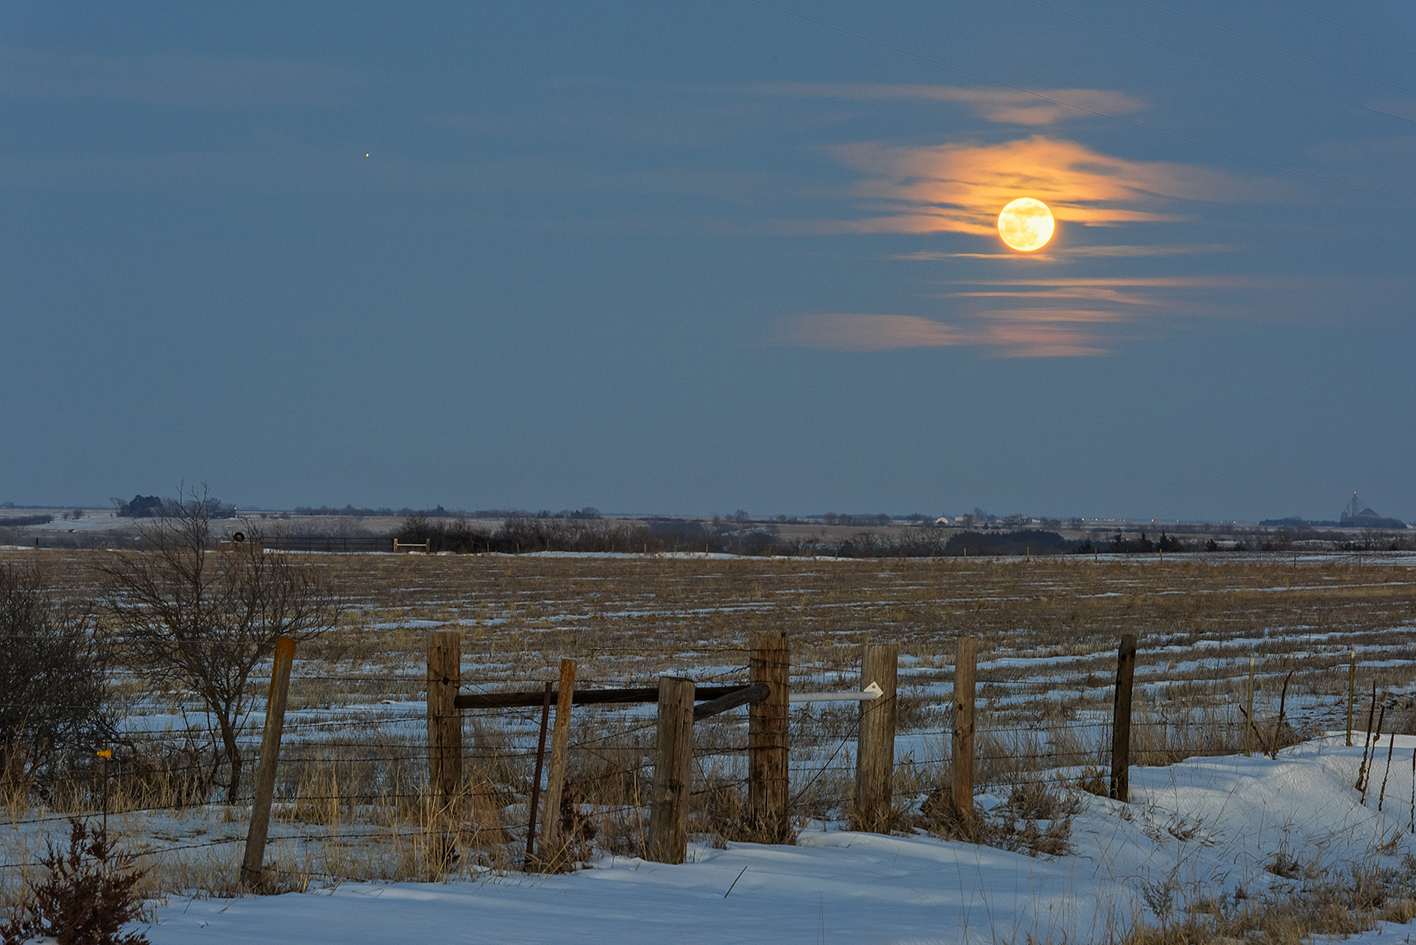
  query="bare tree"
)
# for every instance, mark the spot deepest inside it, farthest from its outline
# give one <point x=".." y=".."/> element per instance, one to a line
<point x="53" y="708"/>
<point x="205" y="618"/>
<point x="931" y="537"/>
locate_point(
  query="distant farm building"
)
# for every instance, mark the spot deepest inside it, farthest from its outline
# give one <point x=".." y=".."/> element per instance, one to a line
<point x="1359" y="515"/>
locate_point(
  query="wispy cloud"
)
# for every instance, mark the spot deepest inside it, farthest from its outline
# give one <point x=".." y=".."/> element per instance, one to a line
<point x="1127" y="251"/>
<point x="1400" y="107"/>
<point x="856" y="332"/>
<point x="1095" y="293"/>
<point x="1130" y="296"/>
<point x="1062" y="317"/>
<point x="1016" y="333"/>
<point x="1053" y="316"/>
<point x="961" y="187"/>
<point x="1073" y="251"/>
<point x="170" y="80"/>
<point x="1170" y="282"/>
<point x="1005" y="106"/>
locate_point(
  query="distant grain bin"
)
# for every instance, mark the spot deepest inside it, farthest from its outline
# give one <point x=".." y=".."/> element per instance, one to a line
<point x="1359" y="515"/>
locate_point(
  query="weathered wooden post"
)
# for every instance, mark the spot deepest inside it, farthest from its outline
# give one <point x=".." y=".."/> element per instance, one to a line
<point x="1121" y="726"/>
<point x="444" y="718"/>
<point x="1249" y="714"/>
<point x="965" y="674"/>
<point x="875" y="746"/>
<point x="555" y="779"/>
<point x="767" y="758"/>
<point x="252" y="863"/>
<point x="1351" y="697"/>
<point x="673" y="773"/>
<point x="536" y="779"/>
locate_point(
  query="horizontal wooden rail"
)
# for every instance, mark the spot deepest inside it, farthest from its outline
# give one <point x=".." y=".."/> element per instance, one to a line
<point x="518" y="700"/>
<point x="748" y="695"/>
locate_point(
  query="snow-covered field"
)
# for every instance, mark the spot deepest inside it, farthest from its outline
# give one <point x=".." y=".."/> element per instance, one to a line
<point x="1223" y="830"/>
<point x="1217" y="830"/>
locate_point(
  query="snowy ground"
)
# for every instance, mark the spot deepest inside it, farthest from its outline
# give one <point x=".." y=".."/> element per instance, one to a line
<point x="1203" y="829"/>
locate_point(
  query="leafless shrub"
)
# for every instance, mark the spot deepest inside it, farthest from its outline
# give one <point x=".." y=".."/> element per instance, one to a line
<point x="55" y="704"/>
<point x="205" y="619"/>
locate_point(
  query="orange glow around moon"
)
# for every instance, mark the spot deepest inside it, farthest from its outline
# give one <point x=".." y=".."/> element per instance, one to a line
<point x="1026" y="224"/>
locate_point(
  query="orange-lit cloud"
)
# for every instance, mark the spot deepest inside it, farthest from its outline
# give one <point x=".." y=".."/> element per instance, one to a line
<point x="1131" y="295"/>
<point x="1126" y="251"/>
<point x="1006" y="106"/>
<point x="1095" y="293"/>
<point x="1018" y="333"/>
<point x="961" y="187"/>
<point x="1067" y="252"/>
<point x="1038" y="316"/>
<point x="1165" y="282"/>
<point x="1041" y="341"/>
<point x="851" y="332"/>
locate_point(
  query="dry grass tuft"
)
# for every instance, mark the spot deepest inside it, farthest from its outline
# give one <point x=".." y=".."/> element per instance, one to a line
<point x="1322" y="903"/>
<point x="351" y="798"/>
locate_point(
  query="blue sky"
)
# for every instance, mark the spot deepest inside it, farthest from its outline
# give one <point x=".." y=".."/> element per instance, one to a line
<point x="692" y="258"/>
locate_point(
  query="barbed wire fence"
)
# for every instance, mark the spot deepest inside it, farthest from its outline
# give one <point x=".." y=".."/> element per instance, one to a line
<point x="353" y="797"/>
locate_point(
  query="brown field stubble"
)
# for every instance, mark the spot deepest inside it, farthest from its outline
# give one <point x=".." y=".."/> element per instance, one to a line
<point x="353" y="763"/>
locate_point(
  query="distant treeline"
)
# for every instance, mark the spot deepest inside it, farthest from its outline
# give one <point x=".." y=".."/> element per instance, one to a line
<point x="522" y="533"/>
<point x="1027" y="541"/>
<point x="20" y="521"/>
<point x="519" y="534"/>
<point x="1361" y="521"/>
<point x="1121" y="545"/>
<point x="840" y="518"/>
<point x="151" y="506"/>
<point x="586" y="513"/>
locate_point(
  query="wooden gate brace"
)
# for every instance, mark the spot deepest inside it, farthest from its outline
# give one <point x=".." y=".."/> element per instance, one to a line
<point x="521" y="700"/>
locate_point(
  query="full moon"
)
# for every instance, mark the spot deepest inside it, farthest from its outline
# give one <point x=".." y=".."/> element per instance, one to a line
<point x="1025" y="224"/>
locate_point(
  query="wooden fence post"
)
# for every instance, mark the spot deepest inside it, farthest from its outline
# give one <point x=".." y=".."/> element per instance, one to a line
<point x="767" y="755"/>
<point x="555" y="778"/>
<point x="673" y="773"/>
<point x="251" y="865"/>
<point x="1351" y="696"/>
<point x="444" y="718"/>
<point x="1121" y="726"/>
<point x="965" y="674"/>
<point x="875" y="746"/>
<point x="1249" y="715"/>
<point x="536" y="779"/>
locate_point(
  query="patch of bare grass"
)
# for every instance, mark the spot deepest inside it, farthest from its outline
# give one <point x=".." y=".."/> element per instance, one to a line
<point x="1319" y="903"/>
<point x="1048" y="630"/>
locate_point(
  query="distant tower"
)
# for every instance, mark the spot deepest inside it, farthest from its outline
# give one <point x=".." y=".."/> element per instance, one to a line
<point x="1359" y="514"/>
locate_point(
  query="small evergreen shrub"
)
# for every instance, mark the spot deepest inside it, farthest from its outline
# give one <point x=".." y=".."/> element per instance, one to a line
<point x="87" y="898"/>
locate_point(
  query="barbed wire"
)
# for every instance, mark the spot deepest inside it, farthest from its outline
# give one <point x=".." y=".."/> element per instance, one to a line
<point x="395" y="759"/>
